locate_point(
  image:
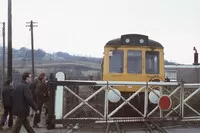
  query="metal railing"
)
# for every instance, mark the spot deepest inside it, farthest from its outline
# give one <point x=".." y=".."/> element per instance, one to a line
<point x="175" y="90"/>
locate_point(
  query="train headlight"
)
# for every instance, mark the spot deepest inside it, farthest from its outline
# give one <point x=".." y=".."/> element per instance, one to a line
<point x="112" y="96"/>
<point x="141" y="40"/>
<point x="154" y="96"/>
<point x="127" y="40"/>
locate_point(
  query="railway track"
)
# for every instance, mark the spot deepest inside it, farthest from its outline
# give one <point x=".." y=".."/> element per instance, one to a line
<point x="152" y="126"/>
<point x="129" y="127"/>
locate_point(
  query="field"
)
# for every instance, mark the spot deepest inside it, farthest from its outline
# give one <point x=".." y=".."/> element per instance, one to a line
<point x="72" y="69"/>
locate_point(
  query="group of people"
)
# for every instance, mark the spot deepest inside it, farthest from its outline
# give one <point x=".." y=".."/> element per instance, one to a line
<point x="18" y="101"/>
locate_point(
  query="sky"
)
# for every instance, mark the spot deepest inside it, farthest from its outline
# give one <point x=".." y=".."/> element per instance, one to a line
<point x="83" y="27"/>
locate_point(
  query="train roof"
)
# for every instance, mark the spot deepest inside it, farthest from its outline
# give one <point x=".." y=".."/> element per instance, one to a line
<point x="118" y="41"/>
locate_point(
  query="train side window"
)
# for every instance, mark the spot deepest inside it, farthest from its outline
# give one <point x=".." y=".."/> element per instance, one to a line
<point x="152" y="62"/>
<point x="116" y="62"/>
<point x="134" y="61"/>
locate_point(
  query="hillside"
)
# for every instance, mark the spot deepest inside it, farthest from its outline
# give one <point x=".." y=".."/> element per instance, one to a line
<point x="24" y="54"/>
<point x="73" y="66"/>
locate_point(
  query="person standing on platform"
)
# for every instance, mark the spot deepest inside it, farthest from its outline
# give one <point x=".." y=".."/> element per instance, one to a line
<point x="7" y="104"/>
<point x="22" y="101"/>
<point x="42" y="95"/>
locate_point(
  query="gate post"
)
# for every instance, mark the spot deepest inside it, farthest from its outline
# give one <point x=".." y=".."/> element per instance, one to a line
<point x="146" y="102"/>
<point x="181" y="113"/>
<point x="106" y="103"/>
<point x="51" y="114"/>
<point x="161" y="93"/>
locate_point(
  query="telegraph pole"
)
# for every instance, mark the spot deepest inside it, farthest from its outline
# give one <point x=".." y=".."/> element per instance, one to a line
<point x="31" y="25"/>
<point x="3" y="73"/>
<point x="3" y="66"/>
<point x="9" y="40"/>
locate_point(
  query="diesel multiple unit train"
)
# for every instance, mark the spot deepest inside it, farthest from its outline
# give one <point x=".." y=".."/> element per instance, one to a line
<point x="133" y="57"/>
<point x="136" y="58"/>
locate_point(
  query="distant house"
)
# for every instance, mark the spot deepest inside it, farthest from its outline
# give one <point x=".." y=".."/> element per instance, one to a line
<point x="187" y="73"/>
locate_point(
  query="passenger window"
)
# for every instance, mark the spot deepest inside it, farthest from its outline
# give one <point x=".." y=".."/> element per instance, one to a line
<point x="152" y="62"/>
<point x="116" y="62"/>
<point x="134" y="61"/>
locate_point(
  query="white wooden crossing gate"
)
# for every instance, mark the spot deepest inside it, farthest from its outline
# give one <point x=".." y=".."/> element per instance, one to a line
<point x="174" y="101"/>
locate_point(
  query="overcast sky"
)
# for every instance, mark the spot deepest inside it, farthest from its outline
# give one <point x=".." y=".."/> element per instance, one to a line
<point x="82" y="27"/>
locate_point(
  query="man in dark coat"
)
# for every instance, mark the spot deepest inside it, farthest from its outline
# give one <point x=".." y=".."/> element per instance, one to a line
<point x="41" y="94"/>
<point x="7" y="104"/>
<point x="33" y="88"/>
<point x="22" y="101"/>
